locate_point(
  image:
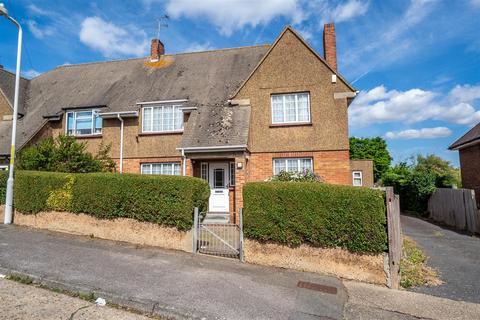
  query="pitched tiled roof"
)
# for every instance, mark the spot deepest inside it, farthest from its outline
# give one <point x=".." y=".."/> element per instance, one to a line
<point x="471" y="136"/>
<point x="7" y="87"/>
<point x="206" y="79"/>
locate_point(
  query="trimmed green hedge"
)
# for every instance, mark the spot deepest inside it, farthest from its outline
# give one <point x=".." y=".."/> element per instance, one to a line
<point x="3" y="185"/>
<point x="165" y="200"/>
<point x="317" y="214"/>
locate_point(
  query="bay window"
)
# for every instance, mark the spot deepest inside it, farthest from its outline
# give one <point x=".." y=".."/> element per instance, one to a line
<point x="291" y="108"/>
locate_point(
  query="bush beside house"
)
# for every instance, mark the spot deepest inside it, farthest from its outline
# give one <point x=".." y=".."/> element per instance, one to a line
<point x="320" y="215"/>
<point x="164" y="200"/>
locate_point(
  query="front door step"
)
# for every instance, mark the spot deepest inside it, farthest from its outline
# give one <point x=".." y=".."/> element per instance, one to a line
<point x="217" y="217"/>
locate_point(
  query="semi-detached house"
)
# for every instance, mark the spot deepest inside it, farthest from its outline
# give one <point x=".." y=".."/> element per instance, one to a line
<point x="228" y="116"/>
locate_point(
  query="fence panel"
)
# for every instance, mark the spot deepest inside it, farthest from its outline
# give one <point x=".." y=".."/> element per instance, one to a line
<point x="455" y="208"/>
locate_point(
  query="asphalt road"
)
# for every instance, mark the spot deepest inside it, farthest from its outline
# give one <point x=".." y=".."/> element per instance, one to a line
<point x="455" y="255"/>
<point x="170" y="283"/>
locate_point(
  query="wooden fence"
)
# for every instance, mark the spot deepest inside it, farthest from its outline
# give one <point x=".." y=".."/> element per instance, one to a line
<point x="456" y="208"/>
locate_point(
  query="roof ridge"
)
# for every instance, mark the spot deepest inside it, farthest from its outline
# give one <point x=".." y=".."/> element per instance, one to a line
<point x="143" y="58"/>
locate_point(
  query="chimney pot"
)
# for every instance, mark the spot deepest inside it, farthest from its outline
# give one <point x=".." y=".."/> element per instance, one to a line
<point x="157" y="49"/>
<point x="330" y="45"/>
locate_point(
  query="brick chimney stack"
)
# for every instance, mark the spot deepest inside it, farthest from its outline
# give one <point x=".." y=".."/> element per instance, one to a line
<point x="330" y="45"/>
<point x="157" y="49"/>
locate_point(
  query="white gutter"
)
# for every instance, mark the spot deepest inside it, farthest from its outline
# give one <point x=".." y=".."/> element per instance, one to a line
<point x="124" y="114"/>
<point x="162" y="101"/>
<point x="121" y="142"/>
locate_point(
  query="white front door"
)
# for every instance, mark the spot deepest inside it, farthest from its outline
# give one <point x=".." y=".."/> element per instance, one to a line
<point x="218" y="180"/>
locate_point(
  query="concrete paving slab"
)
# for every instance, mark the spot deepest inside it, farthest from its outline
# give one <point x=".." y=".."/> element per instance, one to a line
<point x="21" y="302"/>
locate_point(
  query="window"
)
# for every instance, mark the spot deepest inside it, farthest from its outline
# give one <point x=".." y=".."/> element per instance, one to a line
<point x="3" y="167"/>
<point x="219" y="178"/>
<point x="85" y="122"/>
<point x="162" y="119"/>
<point x="292" y="165"/>
<point x="204" y="170"/>
<point x="357" y="178"/>
<point x="290" y="108"/>
<point x="161" y="168"/>
<point x="232" y="173"/>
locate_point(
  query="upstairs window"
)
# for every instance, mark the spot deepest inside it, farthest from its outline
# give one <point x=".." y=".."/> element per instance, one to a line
<point x="291" y="108"/>
<point x="162" y="118"/>
<point x="292" y="165"/>
<point x="84" y="122"/>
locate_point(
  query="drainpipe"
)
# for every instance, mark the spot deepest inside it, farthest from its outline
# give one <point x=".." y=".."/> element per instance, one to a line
<point x="184" y="163"/>
<point x="121" y="142"/>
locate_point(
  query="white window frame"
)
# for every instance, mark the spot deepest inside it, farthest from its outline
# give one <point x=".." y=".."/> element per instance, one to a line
<point x="174" y="106"/>
<point x="204" y="171"/>
<point x="361" y="178"/>
<point x="3" y="167"/>
<point x="151" y="164"/>
<point x="283" y="95"/>
<point x="298" y="163"/>
<point x="74" y="112"/>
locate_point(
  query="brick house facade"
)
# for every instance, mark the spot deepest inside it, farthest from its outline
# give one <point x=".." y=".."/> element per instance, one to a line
<point x="230" y="116"/>
<point x="468" y="147"/>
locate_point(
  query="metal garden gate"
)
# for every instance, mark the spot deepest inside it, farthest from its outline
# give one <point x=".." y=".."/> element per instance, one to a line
<point x="219" y="239"/>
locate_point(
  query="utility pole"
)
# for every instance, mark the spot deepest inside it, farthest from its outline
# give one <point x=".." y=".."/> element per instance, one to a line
<point x="9" y="197"/>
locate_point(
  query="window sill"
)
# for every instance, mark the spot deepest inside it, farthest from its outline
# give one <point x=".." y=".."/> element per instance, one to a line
<point x="142" y="134"/>
<point x="87" y="136"/>
<point x="296" y="124"/>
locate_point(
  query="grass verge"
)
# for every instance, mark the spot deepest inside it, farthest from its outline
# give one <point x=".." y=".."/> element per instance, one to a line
<point x="414" y="270"/>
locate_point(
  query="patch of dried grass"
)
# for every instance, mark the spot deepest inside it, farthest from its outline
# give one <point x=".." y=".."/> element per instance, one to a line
<point x="334" y="261"/>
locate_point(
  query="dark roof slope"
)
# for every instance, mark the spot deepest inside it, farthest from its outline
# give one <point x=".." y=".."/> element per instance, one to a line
<point x="470" y="136"/>
<point x="204" y="78"/>
<point x="7" y="86"/>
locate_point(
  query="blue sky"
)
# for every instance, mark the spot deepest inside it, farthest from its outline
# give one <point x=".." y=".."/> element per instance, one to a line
<point x="416" y="63"/>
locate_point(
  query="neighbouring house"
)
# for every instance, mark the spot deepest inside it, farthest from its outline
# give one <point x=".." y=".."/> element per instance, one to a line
<point x="468" y="147"/>
<point x="362" y="173"/>
<point x="228" y="116"/>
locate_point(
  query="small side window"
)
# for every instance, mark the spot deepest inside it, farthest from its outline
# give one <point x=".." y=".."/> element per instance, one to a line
<point x="357" y="178"/>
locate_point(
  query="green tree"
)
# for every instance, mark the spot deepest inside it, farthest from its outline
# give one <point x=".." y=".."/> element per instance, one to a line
<point x="445" y="174"/>
<point x="64" y="154"/>
<point x="374" y="149"/>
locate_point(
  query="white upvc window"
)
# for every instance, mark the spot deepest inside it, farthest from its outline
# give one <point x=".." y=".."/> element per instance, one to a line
<point x="292" y="165"/>
<point x="204" y="170"/>
<point x="83" y="123"/>
<point x="167" y="168"/>
<point x="164" y="118"/>
<point x="3" y="167"/>
<point x="357" y="178"/>
<point x="290" y="108"/>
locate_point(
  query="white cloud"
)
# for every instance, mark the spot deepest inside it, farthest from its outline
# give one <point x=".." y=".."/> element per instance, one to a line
<point x="38" y="32"/>
<point x="112" y="40"/>
<point x="35" y="10"/>
<point x="380" y="105"/>
<point x="475" y="3"/>
<point x="196" y="47"/>
<point x="233" y="15"/>
<point x="424" y="133"/>
<point x="31" y="73"/>
<point x="349" y="10"/>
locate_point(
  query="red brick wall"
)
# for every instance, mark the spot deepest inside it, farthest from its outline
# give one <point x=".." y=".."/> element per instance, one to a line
<point x="470" y="167"/>
<point x="332" y="166"/>
<point x="330" y="45"/>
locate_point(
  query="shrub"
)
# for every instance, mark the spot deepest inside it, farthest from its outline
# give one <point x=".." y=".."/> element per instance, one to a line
<point x="305" y="176"/>
<point x="165" y="200"/>
<point x="3" y="186"/>
<point x="317" y="214"/>
<point x="64" y="154"/>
